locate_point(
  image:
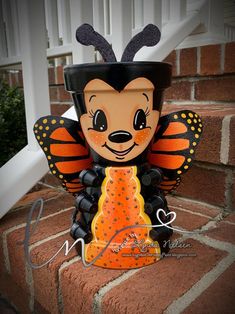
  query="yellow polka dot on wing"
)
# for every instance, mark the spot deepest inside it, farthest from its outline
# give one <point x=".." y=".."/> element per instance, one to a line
<point x="54" y="172"/>
<point x="196" y="135"/>
<point x="186" y="167"/>
<point x="41" y="143"/>
<point x="191" y="115"/>
<point x="183" y="115"/>
<point x="44" y="135"/>
<point x="175" y="116"/>
<point x="189" y="121"/>
<point x="36" y="125"/>
<point x="199" y="120"/>
<point x="53" y="121"/>
<point x="191" y="151"/>
<point x="44" y="121"/>
<point x="61" y="121"/>
<point x="179" y="171"/>
<point x="196" y="115"/>
<point x="47" y="128"/>
<point x="195" y="120"/>
<point x="51" y="165"/>
<point x="189" y="160"/>
<point x="36" y="131"/>
<point x="192" y="128"/>
<point x="194" y="143"/>
<point x="199" y="130"/>
<point x="200" y="125"/>
<point x="40" y="127"/>
<point x="38" y="137"/>
<point x="45" y="149"/>
<point x="49" y="157"/>
<point x="61" y="176"/>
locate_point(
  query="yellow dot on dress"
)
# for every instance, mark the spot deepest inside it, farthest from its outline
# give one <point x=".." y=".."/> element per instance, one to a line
<point x="44" y="121"/>
<point x="44" y="135"/>
<point x="192" y="128"/>
<point x="41" y="143"/>
<point x="196" y="115"/>
<point x="47" y="128"/>
<point x="190" y="115"/>
<point x="195" y="120"/>
<point x="189" y="121"/>
<point x="189" y="160"/>
<point x="191" y="151"/>
<point x="175" y="116"/>
<point x="199" y="130"/>
<point x="38" y="137"/>
<point x="194" y="143"/>
<point x="179" y="171"/>
<point x="36" y="131"/>
<point x="49" y="157"/>
<point x="196" y="135"/>
<point x="41" y="127"/>
<point x="186" y="167"/>
<point x="61" y="176"/>
<point x="199" y="120"/>
<point x="53" y="121"/>
<point x="200" y="125"/>
<point x="183" y="115"/>
<point x="45" y="149"/>
<point x="36" y="125"/>
<point x="61" y="121"/>
<point x="54" y="172"/>
<point x="51" y="165"/>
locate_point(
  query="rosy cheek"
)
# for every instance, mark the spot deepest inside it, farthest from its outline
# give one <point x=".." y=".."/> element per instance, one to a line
<point x="142" y="136"/>
<point x="98" y="138"/>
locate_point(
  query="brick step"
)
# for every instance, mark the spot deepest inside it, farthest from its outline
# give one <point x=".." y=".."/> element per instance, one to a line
<point x="205" y="281"/>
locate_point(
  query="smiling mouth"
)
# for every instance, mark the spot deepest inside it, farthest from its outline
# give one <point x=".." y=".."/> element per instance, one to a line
<point x="120" y="153"/>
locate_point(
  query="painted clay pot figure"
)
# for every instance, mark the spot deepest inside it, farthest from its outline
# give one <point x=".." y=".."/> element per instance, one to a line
<point x="120" y="159"/>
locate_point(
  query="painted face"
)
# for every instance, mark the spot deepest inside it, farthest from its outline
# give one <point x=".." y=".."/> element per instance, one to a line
<point x="119" y="125"/>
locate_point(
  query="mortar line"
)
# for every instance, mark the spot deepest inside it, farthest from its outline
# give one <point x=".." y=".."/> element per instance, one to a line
<point x="179" y="305"/>
<point x="177" y="59"/>
<point x="190" y="211"/>
<point x="225" y="139"/>
<point x="198" y="202"/>
<point x="59" y="291"/>
<point x="22" y="225"/>
<point x="98" y="297"/>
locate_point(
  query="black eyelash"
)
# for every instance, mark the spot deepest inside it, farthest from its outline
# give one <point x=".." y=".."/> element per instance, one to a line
<point x="147" y="112"/>
<point x="91" y="112"/>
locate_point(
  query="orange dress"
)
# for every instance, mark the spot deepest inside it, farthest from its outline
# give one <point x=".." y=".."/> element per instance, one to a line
<point x="121" y="205"/>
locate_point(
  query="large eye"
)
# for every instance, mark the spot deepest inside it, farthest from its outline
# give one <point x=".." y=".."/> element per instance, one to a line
<point x="139" y="120"/>
<point x="99" y="121"/>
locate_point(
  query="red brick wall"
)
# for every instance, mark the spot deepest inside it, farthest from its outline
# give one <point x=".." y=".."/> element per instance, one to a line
<point x="204" y="81"/>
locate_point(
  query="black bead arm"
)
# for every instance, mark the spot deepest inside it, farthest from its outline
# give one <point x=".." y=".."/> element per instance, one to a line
<point x="87" y="36"/>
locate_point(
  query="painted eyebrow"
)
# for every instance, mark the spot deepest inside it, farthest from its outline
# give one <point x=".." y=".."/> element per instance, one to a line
<point x="91" y="97"/>
<point x="146" y="96"/>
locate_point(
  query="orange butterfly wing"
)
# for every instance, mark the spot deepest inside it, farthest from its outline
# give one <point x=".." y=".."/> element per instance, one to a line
<point x="64" y="145"/>
<point x="174" y="144"/>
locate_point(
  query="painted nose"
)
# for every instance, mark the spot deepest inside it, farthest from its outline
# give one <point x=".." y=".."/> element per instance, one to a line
<point x="120" y="136"/>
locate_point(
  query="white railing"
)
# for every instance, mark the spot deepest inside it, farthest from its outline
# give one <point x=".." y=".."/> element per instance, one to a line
<point x="27" y="27"/>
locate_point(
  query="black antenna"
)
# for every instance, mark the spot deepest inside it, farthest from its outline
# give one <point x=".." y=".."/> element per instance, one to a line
<point x="149" y="36"/>
<point x="87" y="36"/>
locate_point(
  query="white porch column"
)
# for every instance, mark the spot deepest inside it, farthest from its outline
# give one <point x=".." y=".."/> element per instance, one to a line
<point x="121" y="25"/>
<point x="81" y="11"/>
<point x="34" y="63"/>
